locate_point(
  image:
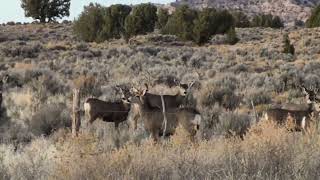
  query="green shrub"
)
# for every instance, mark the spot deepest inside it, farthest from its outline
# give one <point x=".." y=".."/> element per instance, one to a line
<point x="89" y="25"/>
<point x="241" y="20"/>
<point x="288" y="48"/>
<point x="204" y="26"/>
<point x="267" y="21"/>
<point x="232" y="38"/>
<point x="142" y="20"/>
<point x="189" y="24"/>
<point x="181" y="23"/>
<point x="314" y="20"/>
<point x="114" y="21"/>
<point x="163" y="17"/>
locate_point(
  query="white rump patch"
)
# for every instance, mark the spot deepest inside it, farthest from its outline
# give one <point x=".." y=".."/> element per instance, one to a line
<point x="197" y="120"/>
<point x="87" y="107"/>
<point x="266" y="117"/>
<point x="303" y="122"/>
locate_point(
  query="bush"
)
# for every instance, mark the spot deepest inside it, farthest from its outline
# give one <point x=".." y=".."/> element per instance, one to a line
<point x="44" y="10"/>
<point x="141" y="21"/>
<point x="114" y="21"/>
<point x="163" y="17"/>
<point x="314" y="20"/>
<point x="232" y="38"/>
<point x="241" y="20"/>
<point x="267" y="21"/>
<point x="89" y="25"/>
<point x="181" y="23"/>
<point x="233" y="124"/>
<point x="288" y="48"/>
<point x="189" y="24"/>
<point x="50" y="118"/>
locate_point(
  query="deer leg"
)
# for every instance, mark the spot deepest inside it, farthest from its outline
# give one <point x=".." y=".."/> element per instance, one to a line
<point x="117" y="140"/>
<point x="155" y="135"/>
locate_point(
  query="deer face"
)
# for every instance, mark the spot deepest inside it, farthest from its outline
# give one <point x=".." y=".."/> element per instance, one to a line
<point x="124" y="99"/>
<point x="185" y="88"/>
<point x="312" y="98"/>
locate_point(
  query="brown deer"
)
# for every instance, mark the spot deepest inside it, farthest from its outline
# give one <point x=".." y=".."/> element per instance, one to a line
<point x="152" y="118"/>
<point x="115" y="112"/>
<point x="171" y="102"/>
<point x="300" y="117"/>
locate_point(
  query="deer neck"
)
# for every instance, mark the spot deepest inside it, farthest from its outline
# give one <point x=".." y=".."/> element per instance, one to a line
<point x="311" y="107"/>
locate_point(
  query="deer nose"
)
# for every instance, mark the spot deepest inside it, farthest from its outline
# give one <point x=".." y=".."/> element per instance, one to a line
<point x="198" y="127"/>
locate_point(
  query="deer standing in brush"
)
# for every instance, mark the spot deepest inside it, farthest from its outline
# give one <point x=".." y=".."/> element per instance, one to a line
<point x="152" y="117"/>
<point x="115" y="112"/>
<point x="301" y="118"/>
<point x="171" y="102"/>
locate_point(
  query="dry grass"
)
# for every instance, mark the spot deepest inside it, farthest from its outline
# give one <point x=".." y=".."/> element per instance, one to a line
<point x="267" y="152"/>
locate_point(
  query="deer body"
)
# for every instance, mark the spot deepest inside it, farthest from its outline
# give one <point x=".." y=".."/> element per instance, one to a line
<point x="171" y="102"/>
<point x="116" y="112"/>
<point x="301" y="117"/>
<point x="152" y="118"/>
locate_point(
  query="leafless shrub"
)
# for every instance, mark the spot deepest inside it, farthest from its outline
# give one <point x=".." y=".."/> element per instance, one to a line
<point x="233" y="124"/>
<point x="30" y="51"/>
<point x="49" y="118"/>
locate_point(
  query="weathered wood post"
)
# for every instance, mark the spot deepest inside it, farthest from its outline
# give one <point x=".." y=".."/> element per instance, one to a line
<point x="1" y="90"/>
<point x="76" y="112"/>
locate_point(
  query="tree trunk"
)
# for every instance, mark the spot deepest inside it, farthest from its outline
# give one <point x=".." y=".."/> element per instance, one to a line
<point x="76" y="113"/>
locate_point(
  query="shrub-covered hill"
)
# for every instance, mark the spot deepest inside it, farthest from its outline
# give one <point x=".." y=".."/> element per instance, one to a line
<point x="45" y="62"/>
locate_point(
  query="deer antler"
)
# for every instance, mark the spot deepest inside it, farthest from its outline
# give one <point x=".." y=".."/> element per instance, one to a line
<point x="191" y="84"/>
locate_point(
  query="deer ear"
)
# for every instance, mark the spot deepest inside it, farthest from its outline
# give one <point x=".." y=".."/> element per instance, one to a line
<point x="147" y="87"/>
<point x="143" y="92"/>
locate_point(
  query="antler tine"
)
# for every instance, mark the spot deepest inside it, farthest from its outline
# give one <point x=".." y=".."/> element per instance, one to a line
<point x="191" y="84"/>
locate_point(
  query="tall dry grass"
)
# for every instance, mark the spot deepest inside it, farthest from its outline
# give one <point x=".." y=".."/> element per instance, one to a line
<point x="267" y="152"/>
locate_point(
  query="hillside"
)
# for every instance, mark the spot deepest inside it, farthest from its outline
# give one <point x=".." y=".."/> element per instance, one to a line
<point x="289" y="10"/>
<point x="43" y="63"/>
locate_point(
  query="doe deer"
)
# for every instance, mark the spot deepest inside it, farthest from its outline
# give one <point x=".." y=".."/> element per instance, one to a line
<point x="115" y="112"/>
<point x="301" y="118"/>
<point x="171" y="102"/>
<point x="152" y="118"/>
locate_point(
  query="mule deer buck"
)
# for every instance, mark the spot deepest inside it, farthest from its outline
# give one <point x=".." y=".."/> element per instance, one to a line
<point x="153" y="120"/>
<point x="301" y="118"/>
<point x="115" y="112"/>
<point x="171" y="102"/>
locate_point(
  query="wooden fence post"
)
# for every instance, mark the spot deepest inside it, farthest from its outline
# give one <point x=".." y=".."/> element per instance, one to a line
<point x="1" y="89"/>
<point x="76" y="113"/>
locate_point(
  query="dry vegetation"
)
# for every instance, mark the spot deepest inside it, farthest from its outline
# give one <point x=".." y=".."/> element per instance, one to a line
<point x="45" y="62"/>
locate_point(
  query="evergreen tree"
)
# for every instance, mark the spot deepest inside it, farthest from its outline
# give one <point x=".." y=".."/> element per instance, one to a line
<point x="232" y="38"/>
<point x="114" y="21"/>
<point x="181" y="23"/>
<point x="288" y="48"/>
<point x="241" y="20"/>
<point x="46" y="10"/>
<point x="163" y="17"/>
<point x="89" y="25"/>
<point x="314" y="20"/>
<point x="142" y="20"/>
<point x="204" y="26"/>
